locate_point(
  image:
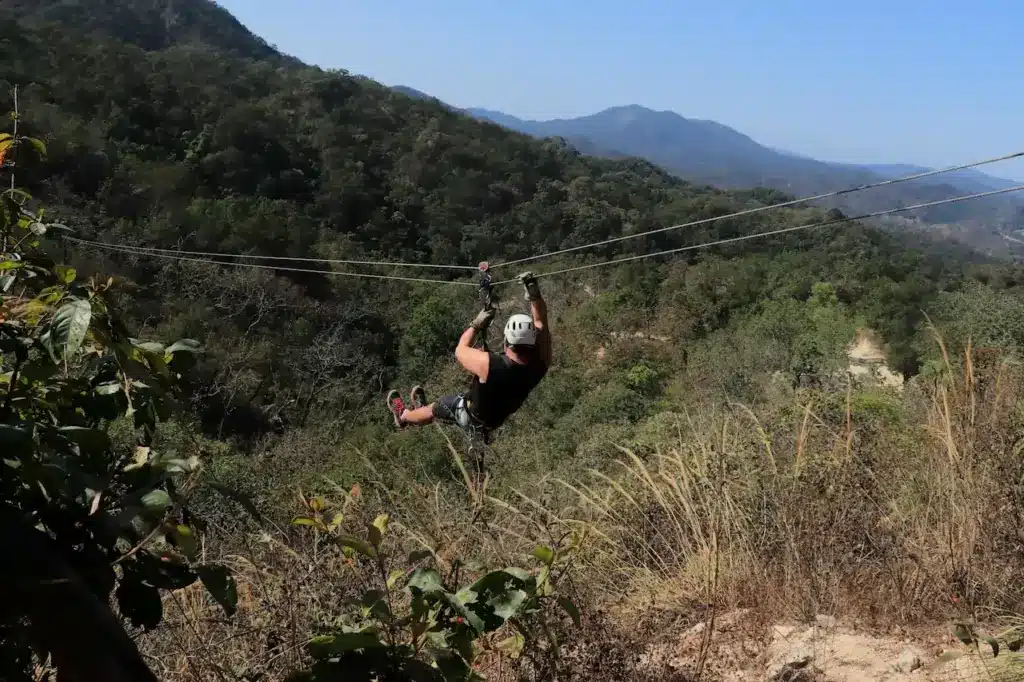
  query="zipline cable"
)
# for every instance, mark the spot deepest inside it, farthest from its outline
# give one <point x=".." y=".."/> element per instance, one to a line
<point x="759" y="209"/>
<point x="332" y="261"/>
<point x="627" y="259"/>
<point x="784" y="230"/>
<point x="132" y="251"/>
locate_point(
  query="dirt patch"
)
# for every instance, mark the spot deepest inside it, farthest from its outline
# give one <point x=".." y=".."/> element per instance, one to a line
<point x="866" y="348"/>
<point x="867" y="361"/>
<point x="742" y="648"/>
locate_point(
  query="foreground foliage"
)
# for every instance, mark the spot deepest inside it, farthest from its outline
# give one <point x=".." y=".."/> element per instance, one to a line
<point x="409" y="613"/>
<point x="97" y="517"/>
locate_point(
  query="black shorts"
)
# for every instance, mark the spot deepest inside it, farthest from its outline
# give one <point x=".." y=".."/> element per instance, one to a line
<point x="453" y="409"/>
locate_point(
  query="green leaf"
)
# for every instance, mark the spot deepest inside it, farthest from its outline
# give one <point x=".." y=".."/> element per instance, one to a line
<point x="185" y="540"/>
<point x="65" y="273"/>
<point x="460" y="607"/>
<point x="176" y="465"/>
<point x="519" y="574"/>
<point x="15" y="440"/>
<point x="139" y="459"/>
<point x="991" y="641"/>
<point x="571" y="609"/>
<point x="38" y="145"/>
<point x="375" y="602"/>
<point x="512" y="646"/>
<point x="326" y="646"/>
<point x="184" y="346"/>
<point x="109" y="388"/>
<point x="943" y="660"/>
<point x="11" y="265"/>
<point x="545" y="554"/>
<point x="151" y="347"/>
<point x="453" y="668"/>
<point x="505" y="604"/>
<point x="379" y="529"/>
<point x="336" y="521"/>
<point x="358" y="544"/>
<point x="374" y="536"/>
<point x="219" y="582"/>
<point x="69" y="327"/>
<point x="138" y="602"/>
<point x="156" y="500"/>
<point x="425" y="581"/>
<point x="181" y="355"/>
<point x="395" y="576"/>
<point x="963" y="632"/>
<point x="163" y="574"/>
<point x="419" y="555"/>
<point x="303" y="521"/>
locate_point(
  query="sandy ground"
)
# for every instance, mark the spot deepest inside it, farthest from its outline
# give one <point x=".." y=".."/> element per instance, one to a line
<point x="867" y="359"/>
<point x="823" y="651"/>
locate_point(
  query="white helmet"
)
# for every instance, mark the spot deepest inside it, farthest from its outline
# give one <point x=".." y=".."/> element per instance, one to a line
<point x="519" y="331"/>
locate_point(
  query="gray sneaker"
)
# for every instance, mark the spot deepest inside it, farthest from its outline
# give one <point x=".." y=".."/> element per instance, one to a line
<point x="418" y="396"/>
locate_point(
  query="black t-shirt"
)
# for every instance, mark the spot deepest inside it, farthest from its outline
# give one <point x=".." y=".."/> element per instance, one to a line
<point x="508" y="383"/>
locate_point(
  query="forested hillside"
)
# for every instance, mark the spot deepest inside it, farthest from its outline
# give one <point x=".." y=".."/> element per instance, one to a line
<point x="723" y="370"/>
<point x="709" y="152"/>
<point x="192" y="148"/>
<point x="149" y="24"/>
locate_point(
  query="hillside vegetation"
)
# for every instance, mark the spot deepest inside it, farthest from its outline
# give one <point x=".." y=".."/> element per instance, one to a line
<point x="707" y="151"/>
<point x="697" y="446"/>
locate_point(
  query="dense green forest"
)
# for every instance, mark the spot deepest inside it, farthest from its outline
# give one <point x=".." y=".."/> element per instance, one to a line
<point x="170" y="126"/>
<point x="192" y="147"/>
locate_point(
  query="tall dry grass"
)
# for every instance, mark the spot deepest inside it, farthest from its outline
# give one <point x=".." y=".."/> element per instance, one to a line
<point x="859" y="503"/>
<point x="911" y="518"/>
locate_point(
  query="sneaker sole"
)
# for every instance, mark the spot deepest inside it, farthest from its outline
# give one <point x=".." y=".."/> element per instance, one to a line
<point x="392" y="397"/>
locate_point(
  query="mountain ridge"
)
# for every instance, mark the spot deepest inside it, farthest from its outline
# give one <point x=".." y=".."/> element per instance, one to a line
<point x="149" y="24"/>
<point x="635" y="112"/>
<point x="712" y="153"/>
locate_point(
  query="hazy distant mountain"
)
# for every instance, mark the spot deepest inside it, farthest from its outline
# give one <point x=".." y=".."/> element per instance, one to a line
<point x="709" y="152"/>
<point x="969" y="180"/>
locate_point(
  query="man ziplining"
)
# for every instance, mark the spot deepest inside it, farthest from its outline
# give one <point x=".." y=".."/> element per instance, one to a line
<point x="501" y="381"/>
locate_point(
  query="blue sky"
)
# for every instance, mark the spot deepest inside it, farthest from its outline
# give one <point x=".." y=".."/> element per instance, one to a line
<point x="934" y="82"/>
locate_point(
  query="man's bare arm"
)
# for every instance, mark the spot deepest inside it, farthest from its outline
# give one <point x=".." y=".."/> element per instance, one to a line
<point x="473" y="359"/>
<point x="539" y="312"/>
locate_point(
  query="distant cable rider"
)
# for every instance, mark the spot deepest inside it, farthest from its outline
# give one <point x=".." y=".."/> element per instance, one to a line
<point x="501" y="382"/>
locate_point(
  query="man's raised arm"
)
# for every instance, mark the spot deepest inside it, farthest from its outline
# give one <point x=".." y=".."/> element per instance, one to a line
<point x="539" y="312"/>
<point x="474" y="359"/>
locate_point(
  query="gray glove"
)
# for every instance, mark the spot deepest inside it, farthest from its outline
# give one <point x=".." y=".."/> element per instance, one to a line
<point x="483" y="319"/>
<point x="529" y="282"/>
